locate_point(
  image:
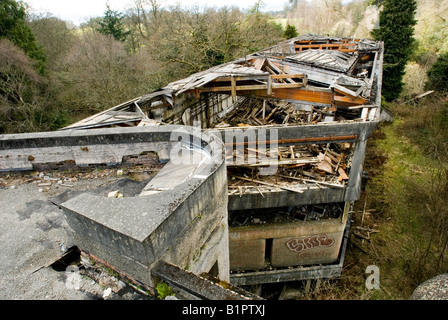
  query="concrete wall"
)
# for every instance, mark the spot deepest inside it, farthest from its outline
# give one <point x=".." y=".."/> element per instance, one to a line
<point x="286" y="244"/>
<point x="84" y="147"/>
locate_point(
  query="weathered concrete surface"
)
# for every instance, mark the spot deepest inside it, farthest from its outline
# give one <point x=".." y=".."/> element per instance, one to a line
<point x="247" y="255"/>
<point x="432" y="289"/>
<point x="286" y="275"/>
<point x="134" y="233"/>
<point x="184" y="222"/>
<point x="33" y="235"/>
<point x="196" y="287"/>
<point x="301" y="243"/>
<point x="293" y="244"/>
<point x="320" y="248"/>
<point x="85" y="147"/>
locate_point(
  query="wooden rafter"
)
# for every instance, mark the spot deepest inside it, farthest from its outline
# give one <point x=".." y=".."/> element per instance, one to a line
<point x="344" y="47"/>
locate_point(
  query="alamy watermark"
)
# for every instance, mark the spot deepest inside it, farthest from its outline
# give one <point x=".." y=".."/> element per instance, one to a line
<point x="245" y="146"/>
<point x="72" y="277"/>
<point x="373" y="280"/>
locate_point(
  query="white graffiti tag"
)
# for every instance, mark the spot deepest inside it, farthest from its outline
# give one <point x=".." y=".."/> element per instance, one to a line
<point x="297" y="245"/>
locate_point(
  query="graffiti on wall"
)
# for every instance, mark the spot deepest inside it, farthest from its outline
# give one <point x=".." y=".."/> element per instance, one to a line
<point x="298" y="245"/>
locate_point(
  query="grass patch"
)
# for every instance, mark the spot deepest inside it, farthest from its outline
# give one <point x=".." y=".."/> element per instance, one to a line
<point x="405" y="201"/>
<point x="407" y="195"/>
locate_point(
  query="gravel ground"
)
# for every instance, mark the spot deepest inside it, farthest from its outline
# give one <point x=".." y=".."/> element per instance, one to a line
<point x="34" y="234"/>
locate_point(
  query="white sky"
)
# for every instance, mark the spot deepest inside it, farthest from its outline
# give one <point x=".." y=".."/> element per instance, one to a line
<point x="78" y="11"/>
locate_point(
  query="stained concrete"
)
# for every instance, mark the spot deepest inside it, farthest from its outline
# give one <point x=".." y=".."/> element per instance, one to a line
<point x="183" y="223"/>
<point x="33" y="235"/>
<point x="292" y="244"/>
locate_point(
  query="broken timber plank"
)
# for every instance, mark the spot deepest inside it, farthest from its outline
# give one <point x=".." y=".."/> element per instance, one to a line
<point x="312" y="181"/>
<point x="270" y="184"/>
<point x="259" y="63"/>
<point x="342" y="173"/>
<point x="277" y="162"/>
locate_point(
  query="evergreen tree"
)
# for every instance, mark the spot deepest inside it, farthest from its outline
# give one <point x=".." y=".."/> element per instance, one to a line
<point x="290" y="32"/>
<point x="13" y="27"/>
<point x="438" y="75"/>
<point x="397" y="21"/>
<point x="112" y="25"/>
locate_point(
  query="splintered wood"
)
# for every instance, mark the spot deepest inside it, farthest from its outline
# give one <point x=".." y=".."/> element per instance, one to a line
<point x="251" y="111"/>
<point x="309" y="212"/>
<point x="295" y="168"/>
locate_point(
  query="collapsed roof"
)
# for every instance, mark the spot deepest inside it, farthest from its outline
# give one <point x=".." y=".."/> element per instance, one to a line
<point x="340" y="74"/>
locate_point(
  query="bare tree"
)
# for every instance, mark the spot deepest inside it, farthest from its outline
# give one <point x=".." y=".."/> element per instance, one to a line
<point x="18" y="89"/>
<point x="99" y="73"/>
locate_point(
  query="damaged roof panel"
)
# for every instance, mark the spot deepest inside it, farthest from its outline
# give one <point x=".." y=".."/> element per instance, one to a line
<point x="328" y="59"/>
<point x="321" y="71"/>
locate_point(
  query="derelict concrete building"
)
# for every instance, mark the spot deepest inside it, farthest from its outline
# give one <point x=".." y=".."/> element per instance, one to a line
<point x="304" y="108"/>
<point x="294" y="120"/>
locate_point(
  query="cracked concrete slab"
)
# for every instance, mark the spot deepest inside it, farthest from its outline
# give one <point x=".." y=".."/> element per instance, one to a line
<point x="34" y="234"/>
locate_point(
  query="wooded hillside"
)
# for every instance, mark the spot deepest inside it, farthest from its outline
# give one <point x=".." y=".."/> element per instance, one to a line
<point x="68" y="73"/>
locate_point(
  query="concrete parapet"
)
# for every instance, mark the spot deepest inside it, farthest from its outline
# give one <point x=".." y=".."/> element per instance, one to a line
<point x="324" y="132"/>
<point x="84" y="147"/>
<point x="182" y="222"/>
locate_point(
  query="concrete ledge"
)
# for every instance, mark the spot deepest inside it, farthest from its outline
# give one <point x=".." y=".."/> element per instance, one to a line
<point x="283" y="198"/>
<point x="290" y="244"/>
<point x="298" y="273"/>
<point x="280" y="198"/>
<point x="174" y="221"/>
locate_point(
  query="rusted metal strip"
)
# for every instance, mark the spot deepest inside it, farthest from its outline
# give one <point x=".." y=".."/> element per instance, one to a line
<point x="285" y="75"/>
<point x="196" y="285"/>
<point x="122" y="274"/>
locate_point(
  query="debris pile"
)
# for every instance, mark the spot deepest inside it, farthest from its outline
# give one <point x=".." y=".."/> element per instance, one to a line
<point x="296" y="167"/>
<point x="252" y="111"/>
<point x="69" y="179"/>
<point x="286" y="214"/>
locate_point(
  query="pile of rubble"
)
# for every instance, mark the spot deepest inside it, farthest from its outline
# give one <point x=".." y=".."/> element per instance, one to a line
<point x="285" y="214"/>
<point x="252" y="111"/>
<point x="67" y="174"/>
<point x="58" y="181"/>
<point x="297" y="167"/>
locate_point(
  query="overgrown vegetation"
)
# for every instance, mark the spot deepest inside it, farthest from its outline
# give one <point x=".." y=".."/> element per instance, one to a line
<point x="407" y="195"/>
<point x="114" y="58"/>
